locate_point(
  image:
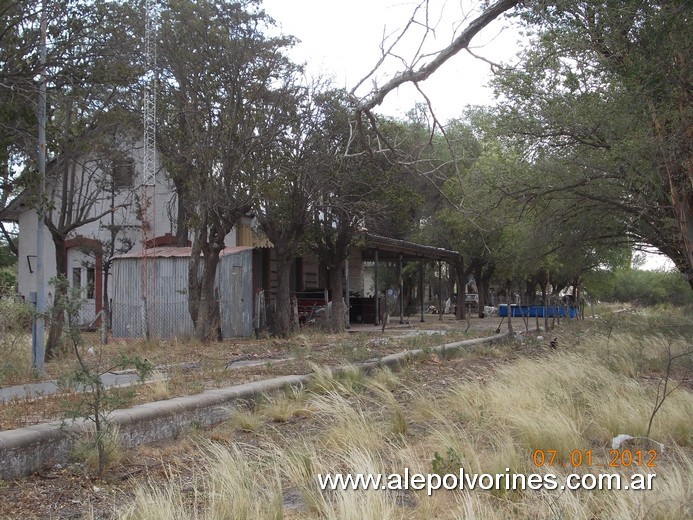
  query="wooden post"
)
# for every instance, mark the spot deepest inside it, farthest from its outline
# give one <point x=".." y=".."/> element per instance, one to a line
<point x="440" y="290"/>
<point x="401" y="290"/>
<point x="346" y="299"/>
<point x="377" y="292"/>
<point x="421" y="287"/>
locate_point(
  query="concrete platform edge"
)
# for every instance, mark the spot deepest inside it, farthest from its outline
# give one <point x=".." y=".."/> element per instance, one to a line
<point x="27" y="450"/>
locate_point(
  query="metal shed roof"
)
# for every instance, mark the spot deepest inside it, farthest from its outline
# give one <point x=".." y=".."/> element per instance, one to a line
<point x="172" y="251"/>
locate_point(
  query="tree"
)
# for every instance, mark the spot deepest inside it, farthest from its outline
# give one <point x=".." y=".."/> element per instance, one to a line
<point x="88" y="84"/>
<point x="354" y="190"/>
<point x="605" y="96"/>
<point x="19" y="65"/>
<point x="223" y="82"/>
<point x="287" y="191"/>
<point x="603" y="102"/>
<point x="519" y="243"/>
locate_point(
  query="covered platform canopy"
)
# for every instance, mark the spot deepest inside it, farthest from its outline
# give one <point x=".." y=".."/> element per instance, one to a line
<point x="375" y="248"/>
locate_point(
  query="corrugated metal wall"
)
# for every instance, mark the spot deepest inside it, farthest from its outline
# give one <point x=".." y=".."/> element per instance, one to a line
<point x="167" y="292"/>
<point x="235" y="284"/>
<point x="167" y="306"/>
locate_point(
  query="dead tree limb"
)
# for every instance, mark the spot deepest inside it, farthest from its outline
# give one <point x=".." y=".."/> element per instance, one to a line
<point x="461" y="42"/>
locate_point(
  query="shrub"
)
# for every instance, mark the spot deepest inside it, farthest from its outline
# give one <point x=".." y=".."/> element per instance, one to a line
<point x="640" y="287"/>
<point x="15" y="341"/>
<point x="8" y="281"/>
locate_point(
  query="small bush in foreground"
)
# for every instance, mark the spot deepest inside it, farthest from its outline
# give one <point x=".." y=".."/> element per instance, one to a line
<point x="15" y="341"/>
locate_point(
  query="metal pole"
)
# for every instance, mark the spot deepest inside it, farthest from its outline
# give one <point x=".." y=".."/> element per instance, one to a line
<point x="38" y="350"/>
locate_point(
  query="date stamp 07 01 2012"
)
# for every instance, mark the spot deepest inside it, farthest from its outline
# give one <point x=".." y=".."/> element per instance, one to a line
<point x="584" y="458"/>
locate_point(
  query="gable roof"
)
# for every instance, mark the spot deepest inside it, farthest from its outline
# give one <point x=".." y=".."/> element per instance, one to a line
<point x="16" y="206"/>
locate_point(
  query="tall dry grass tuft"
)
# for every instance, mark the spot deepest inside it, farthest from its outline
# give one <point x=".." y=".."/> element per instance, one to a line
<point x="350" y="380"/>
<point x="372" y="504"/>
<point x="240" y="485"/>
<point x="283" y="407"/>
<point x="386" y="377"/>
<point x="455" y="447"/>
<point x="86" y="446"/>
<point x="159" y="502"/>
<point x="298" y="465"/>
<point x="347" y="425"/>
<point x="236" y="485"/>
<point x="565" y="401"/>
<point x="322" y="379"/>
<point x="245" y="420"/>
<point x="395" y="415"/>
<point x="633" y="355"/>
<point x="159" y="388"/>
<point x="577" y="398"/>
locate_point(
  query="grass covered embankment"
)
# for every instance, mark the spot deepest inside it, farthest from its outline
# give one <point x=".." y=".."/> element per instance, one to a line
<point x="628" y="373"/>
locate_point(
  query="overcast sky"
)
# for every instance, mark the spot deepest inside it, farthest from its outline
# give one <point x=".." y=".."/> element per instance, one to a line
<point x="342" y="39"/>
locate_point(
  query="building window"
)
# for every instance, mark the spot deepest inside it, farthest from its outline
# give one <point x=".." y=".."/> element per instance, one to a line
<point x="77" y="277"/>
<point x="91" y="282"/>
<point x="123" y="172"/>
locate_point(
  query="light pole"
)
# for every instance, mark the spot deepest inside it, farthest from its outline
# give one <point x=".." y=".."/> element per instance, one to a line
<point x="37" y="342"/>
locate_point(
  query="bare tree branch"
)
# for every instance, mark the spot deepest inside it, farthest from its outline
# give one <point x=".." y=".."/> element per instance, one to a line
<point x="461" y="42"/>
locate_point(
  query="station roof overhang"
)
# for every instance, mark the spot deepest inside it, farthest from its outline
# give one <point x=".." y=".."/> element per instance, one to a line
<point x="391" y="248"/>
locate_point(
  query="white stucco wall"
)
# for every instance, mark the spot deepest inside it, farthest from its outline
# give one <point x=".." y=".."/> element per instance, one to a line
<point x="161" y="213"/>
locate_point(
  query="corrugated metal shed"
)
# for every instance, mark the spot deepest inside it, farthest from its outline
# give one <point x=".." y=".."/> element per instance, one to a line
<point x="166" y="310"/>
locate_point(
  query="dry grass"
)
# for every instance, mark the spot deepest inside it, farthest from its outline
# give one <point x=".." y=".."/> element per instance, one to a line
<point x="282" y="407"/>
<point x="85" y="448"/>
<point x="15" y="344"/>
<point x="245" y="420"/>
<point x="159" y="388"/>
<point x="193" y="367"/>
<point x="577" y="398"/>
<point x="237" y="485"/>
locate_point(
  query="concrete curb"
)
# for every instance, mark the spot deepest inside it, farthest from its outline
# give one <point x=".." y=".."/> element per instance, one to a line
<point x="27" y="450"/>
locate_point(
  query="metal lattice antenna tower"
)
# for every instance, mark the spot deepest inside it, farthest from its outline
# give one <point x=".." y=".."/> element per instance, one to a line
<point x="148" y="197"/>
<point x="150" y="95"/>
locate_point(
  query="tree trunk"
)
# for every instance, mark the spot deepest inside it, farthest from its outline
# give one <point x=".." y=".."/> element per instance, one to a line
<point x="105" y="305"/>
<point x="208" y="311"/>
<point x="57" y="318"/>
<point x="282" y="319"/>
<point x="461" y="276"/>
<point x="678" y="174"/>
<point x="337" y="322"/>
<point x="182" y="228"/>
<point x="481" y="287"/>
<point x="202" y="303"/>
